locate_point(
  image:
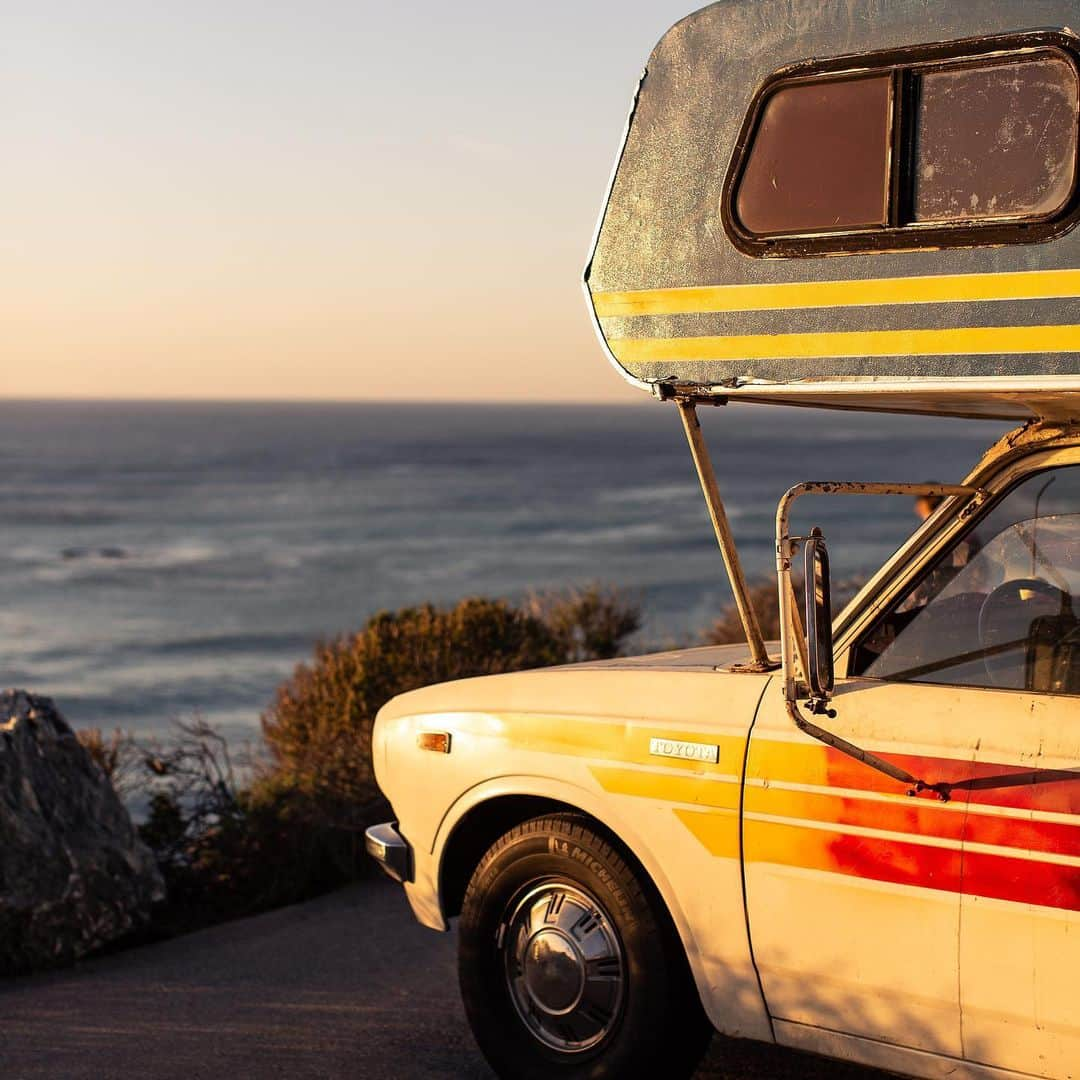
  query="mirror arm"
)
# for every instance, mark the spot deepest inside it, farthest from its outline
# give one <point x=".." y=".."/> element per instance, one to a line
<point x="915" y="785"/>
<point x="793" y="641"/>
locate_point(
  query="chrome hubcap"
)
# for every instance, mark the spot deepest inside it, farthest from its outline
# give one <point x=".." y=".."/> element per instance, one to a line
<point x="564" y="966"/>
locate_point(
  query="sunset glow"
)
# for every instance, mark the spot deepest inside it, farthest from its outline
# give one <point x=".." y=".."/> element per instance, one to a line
<point x="339" y="201"/>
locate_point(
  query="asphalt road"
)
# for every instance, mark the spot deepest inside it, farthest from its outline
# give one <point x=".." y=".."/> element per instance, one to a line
<point x="345" y="986"/>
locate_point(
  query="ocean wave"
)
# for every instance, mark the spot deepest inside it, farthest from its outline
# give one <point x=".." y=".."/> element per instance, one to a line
<point x="124" y="650"/>
<point x="605" y="534"/>
<point x="650" y="493"/>
<point x="108" y="552"/>
<point x="78" y="560"/>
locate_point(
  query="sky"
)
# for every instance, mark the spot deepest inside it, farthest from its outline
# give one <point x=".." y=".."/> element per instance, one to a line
<point x="319" y="200"/>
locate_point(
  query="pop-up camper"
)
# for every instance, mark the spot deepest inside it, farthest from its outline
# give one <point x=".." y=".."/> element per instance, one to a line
<point x="851" y="204"/>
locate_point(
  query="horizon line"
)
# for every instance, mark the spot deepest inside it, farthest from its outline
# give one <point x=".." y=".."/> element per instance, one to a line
<point x="37" y="399"/>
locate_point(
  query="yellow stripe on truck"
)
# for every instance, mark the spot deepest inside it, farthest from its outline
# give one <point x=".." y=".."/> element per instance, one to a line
<point x="721" y="792"/>
<point x="936" y="289"/>
<point x="960" y="341"/>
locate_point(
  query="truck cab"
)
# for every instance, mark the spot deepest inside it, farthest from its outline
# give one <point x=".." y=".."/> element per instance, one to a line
<point x="862" y="840"/>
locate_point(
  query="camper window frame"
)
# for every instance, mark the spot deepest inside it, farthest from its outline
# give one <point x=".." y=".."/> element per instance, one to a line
<point x="902" y="64"/>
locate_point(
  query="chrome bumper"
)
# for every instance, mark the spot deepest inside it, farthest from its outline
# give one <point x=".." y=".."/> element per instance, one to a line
<point x="390" y="850"/>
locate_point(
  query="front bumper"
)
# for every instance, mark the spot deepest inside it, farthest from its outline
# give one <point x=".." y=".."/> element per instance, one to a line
<point x="390" y="850"/>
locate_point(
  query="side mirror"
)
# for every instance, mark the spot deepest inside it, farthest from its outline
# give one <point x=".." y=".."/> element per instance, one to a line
<point x="819" y="641"/>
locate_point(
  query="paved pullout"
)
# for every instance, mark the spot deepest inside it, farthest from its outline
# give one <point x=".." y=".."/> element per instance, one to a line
<point x="345" y="986"/>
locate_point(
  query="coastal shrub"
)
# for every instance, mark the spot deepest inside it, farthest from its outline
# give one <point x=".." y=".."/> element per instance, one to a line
<point x="117" y="755"/>
<point x="295" y="829"/>
<point x="236" y="837"/>
<point x="258" y="856"/>
<point x="591" y="623"/>
<point x="318" y="729"/>
<point x="727" y="629"/>
<point x="226" y="847"/>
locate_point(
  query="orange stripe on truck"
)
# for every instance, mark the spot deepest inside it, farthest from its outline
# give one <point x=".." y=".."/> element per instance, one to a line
<point x="816" y="809"/>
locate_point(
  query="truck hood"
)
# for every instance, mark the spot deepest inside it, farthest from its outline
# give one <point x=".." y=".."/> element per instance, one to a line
<point x="703" y="658"/>
<point x="627" y="686"/>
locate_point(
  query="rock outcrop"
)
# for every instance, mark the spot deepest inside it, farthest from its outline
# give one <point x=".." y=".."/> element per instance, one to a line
<point x="73" y="873"/>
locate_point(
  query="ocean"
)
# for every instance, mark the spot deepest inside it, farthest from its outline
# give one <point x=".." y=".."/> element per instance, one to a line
<point x="167" y="560"/>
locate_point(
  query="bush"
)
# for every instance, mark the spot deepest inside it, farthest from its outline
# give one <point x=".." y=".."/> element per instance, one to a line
<point x="227" y="850"/>
<point x="117" y="755"/>
<point x="765" y="600"/>
<point x="318" y="729"/>
<point x="593" y="623"/>
<point x="293" y="827"/>
<point x="728" y="628"/>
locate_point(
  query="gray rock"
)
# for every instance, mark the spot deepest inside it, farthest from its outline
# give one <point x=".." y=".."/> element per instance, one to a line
<point x="73" y="873"/>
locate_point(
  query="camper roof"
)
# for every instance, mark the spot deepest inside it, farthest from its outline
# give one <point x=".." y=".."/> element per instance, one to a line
<point x="863" y="204"/>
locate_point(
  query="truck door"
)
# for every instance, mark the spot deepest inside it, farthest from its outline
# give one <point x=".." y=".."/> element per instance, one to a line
<point x="852" y="885"/>
<point x="1020" y="909"/>
<point x="984" y="655"/>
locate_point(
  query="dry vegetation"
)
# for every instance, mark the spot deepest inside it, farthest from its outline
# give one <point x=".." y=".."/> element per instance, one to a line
<point x="728" y="627"/>
<point x="765" y="600"/>
<point x="294" y="826"/>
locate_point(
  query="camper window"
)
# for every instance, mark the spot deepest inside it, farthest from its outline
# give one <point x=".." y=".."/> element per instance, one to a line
<point x="820" y="158"/>
<point x="948" y="149"/>
<point x="994" y="141"/>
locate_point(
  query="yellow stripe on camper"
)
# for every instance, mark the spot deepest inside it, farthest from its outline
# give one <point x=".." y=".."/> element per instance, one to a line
<point x="936" y="289"/>
<point x="962" y="341"/>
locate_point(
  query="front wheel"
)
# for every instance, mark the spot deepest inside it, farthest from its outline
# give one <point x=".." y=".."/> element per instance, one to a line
<point x="568" y="964"/>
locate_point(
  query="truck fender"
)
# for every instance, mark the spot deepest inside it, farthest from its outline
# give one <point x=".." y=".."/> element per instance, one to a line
<point x="581" y="799"/>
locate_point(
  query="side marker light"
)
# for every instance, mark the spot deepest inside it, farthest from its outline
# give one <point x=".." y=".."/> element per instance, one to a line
<point x="439" y="741"/>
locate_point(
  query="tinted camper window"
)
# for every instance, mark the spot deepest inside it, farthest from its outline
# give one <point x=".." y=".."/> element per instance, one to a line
<point x="919" y="151"/>
<point x="820" y="158"/>
<point x="994" y="141"/>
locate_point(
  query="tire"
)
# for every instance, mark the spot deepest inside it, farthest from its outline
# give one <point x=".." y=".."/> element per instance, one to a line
<point x="569" y="965"/>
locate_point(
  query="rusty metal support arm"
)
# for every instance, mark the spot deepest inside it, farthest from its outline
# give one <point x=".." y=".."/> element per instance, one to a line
<point x="711" y="490"/>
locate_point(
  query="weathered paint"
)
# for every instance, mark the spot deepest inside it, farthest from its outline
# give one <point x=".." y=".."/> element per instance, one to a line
<point x="681" y="308"/>
<point x="857" y="888"/>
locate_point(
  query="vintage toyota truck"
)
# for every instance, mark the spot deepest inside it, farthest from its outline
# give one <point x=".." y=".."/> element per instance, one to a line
<point x="863" y="840"/>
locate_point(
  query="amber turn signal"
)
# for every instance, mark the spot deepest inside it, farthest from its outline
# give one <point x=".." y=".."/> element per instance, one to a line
<point x="439" y="741"/>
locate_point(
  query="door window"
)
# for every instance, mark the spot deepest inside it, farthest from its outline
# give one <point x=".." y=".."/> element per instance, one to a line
<point x="997" y="609"/>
